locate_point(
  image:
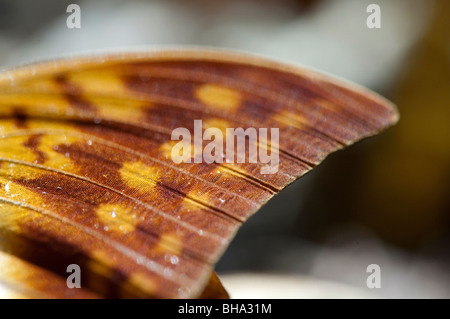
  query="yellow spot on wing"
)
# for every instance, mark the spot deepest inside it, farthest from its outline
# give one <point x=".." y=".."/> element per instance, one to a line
<point x="98" y="81"/>
<point x="117" y="218"/>
<point x="40" y="84"/>
<point x="13" y="148"/>
<point x="6" y="125"/>
<point x="103" y="258"/>
<point x="14" y="215"/>
<point x="48" y="145"/>
<point x="218" y="96"/>
<point x="170" y="242"/>
<point x="16" y="273"/>
<point x="120" y="110"/>
<point x="291" y="119"/>
<point x="142" y="282"/>
<point x="139" y="176"/>
<point x="37" y="104"/>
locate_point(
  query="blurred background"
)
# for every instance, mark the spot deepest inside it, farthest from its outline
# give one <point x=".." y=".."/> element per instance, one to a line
<point x="383" y="201"/>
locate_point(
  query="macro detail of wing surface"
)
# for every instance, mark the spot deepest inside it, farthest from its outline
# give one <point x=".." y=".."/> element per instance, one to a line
<point x="86" y="175"/>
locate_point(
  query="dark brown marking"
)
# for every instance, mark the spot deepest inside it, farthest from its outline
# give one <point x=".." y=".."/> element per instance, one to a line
<point x="73" y="94"/>
<point x="33" y="143"/>
<point x="20" y="117"/>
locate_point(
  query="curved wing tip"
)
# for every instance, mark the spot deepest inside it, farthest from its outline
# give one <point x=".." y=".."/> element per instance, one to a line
<point x="394" y="113"/>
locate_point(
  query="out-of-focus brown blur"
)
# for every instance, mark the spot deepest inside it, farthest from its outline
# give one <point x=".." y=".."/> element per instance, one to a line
<point x="383" y="201"/>
<point x="409" y="174"/>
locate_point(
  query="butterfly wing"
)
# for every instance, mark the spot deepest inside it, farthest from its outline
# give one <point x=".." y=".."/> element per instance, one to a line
<point x="86" y="172"/>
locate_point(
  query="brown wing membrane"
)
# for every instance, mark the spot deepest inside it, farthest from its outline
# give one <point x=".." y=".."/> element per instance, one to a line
<point x="86" y="173"/>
